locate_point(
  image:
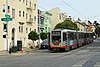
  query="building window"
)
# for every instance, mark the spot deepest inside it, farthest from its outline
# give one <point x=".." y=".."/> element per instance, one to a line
<point x="19" y="13"/>
<point x="26" y="2"/>
<point x="34" y="6"/>
<point x="60" y="16"/>
<point x="21" y="29"/>
<point x="4" y="8"/>
<point x="30" y="17"/>
<point x="26" y="30"/>
<point x="34" y="18"/>
<point x="35" y="30"/>
<point x="19" y="0"/>
<point x="38" y="30"/>
<point x="23" y="13"/>
<point x="23" y="1"/>
<point x="26" y="15"/>
<point x="13" y="13"/>
<point x="30" y="4"/>
<point x="30" y="29"/>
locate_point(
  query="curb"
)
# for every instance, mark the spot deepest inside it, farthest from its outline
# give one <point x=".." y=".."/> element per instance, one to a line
<point x="13" y="54"/>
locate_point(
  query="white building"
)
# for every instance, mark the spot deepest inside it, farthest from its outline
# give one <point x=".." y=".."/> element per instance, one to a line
<point x="24" y="19"/>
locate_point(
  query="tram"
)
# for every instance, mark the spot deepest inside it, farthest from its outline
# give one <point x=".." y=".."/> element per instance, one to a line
<point x="64" y="39"/>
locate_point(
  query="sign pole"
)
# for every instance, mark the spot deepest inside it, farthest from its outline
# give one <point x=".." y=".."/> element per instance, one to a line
<point x="7" y="25"/>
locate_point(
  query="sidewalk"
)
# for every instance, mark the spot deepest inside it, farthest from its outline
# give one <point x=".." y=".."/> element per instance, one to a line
<point x="6" y="53"/>
<point x="19" y="53"/>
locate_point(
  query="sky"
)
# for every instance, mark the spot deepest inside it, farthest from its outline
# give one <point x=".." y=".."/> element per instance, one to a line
<point x="83" y="9"/>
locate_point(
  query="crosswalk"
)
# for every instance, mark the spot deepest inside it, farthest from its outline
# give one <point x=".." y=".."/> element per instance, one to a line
<point x="97" y="64"/>
<point x="81" y="62"/>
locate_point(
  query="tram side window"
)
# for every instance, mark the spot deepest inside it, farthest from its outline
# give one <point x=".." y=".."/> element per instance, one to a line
<point x="71" y="35"/>
<point x="64" y="37"/>
<point x="80" y="35"/>
<point x="75" y="36"/>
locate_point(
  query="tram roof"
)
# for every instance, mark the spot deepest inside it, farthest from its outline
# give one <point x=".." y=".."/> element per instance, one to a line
<point x="64" y="30"/>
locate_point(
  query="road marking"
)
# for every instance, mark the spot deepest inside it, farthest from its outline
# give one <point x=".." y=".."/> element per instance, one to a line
<point x="97" y="64"/>
<point x="94" y="47"/>
<point x="81" y="62"/>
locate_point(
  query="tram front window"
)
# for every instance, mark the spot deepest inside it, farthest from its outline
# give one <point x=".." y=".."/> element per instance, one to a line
<point x="56" y="39"/>
<point x="56" y="36"/>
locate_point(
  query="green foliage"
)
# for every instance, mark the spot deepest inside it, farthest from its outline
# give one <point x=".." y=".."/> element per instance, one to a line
<point x="33" y="36"/>
<point x="67" y="24"/>
<point x="43" y="35"/>
<point x="97" y="31"/>
<point x="97" y="26"/>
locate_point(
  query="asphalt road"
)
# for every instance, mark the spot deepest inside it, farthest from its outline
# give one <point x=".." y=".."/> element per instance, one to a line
<point x="86" y="56"/>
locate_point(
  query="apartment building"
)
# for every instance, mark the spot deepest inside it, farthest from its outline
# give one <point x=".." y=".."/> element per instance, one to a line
<point x="90" y="29"/>
<point x="40" y="21"/>
<point x="47" y="21"/>
<point x="57" y="16"/>
<point x="44" y="21"/>
<point x="24" y="20"/>
<point x="80" y="26"/>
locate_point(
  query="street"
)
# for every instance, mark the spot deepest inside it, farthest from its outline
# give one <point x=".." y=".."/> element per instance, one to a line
<point x="86" y="56"/>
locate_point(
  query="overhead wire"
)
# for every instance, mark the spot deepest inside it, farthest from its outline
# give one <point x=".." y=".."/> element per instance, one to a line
<point x="73" y="8"/>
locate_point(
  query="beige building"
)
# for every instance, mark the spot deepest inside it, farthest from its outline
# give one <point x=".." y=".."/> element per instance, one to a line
<point x="85" y="26"/>
<point x="24" y="19"/>
<point x="57" y="16"/>
<point x="93" y="28"/>
<point x="82" y="25"/>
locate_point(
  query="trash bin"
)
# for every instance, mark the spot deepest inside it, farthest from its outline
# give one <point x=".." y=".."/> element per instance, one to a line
<point x="14" y="49"/>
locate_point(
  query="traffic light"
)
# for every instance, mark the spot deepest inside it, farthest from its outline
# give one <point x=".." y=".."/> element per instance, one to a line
<point x="5" y="27"/>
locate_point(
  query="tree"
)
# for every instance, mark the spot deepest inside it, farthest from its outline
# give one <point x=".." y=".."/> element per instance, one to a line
<point x="43" y="35"/>
<point x="97" y="26"/>
<point x="33" y="36"/>
<point x="67" y="24"/>
<point x="97" y="31"/>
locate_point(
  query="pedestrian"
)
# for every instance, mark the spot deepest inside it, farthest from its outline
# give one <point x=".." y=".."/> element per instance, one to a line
<point x="10" y="48"/>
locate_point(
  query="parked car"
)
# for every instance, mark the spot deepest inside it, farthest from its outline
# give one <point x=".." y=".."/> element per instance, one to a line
<point x="44" y="44"/>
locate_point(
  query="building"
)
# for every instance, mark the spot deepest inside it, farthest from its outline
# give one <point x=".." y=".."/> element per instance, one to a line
<point x="47" y="21"/>
<point x="80" y="26"/>
<point x="44" y="21"/>
<point x="24" y="20"/>
<point x="57" y="16"/>
<point x="40" y="21"/>
<point x="90" y="25"/>
<point x="93" y="28"/>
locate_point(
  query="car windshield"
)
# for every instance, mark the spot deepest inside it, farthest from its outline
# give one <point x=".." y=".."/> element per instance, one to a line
<point x="45" y="41"/>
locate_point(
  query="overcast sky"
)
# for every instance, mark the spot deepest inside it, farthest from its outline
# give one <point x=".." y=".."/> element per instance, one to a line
<point x="83" y="9"/>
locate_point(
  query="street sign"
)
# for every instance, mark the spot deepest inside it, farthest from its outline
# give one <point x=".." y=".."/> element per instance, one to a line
<point x="7" y="16"/>
<point x="6" y="19"/>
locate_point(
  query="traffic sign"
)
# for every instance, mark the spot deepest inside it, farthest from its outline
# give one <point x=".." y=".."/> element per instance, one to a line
<point x="6" y="19"/>
<point x="7" y="16"/>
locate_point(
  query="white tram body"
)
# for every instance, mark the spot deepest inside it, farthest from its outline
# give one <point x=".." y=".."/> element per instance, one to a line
<point x="64" y="39"/>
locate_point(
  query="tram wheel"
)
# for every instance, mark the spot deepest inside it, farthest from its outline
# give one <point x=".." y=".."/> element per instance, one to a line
<point x="66" y="49"/>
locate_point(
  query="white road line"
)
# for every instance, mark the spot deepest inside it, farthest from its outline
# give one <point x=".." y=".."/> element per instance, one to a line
<point x="97" y="64"/>
<point x="81" y="62"/>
